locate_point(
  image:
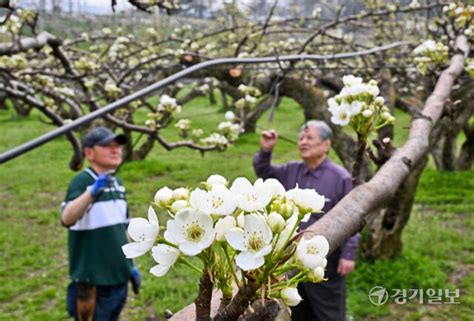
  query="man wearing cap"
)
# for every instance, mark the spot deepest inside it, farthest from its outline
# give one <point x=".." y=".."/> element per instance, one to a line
<point x="96" y="215"/>
<point x="323" y="301"/>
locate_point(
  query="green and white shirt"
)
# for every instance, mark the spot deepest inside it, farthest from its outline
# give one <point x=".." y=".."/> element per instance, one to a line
<point x="95" y="241"/>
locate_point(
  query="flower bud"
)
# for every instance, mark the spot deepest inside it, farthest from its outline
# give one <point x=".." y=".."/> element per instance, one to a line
<point x="385" y="116"/>
<point x="316" y="275"/>
<point x="290" y="296"/>
<point x="163" y="197"/>
<point x="229" y="116"/>
<point x="215" y="179"/>
<point x="180" y="194"/>
<point x="367" y="113"/>
<point x="276" y="222"/>
<point x="379" y="100"/>
<point x="178" y="205"/>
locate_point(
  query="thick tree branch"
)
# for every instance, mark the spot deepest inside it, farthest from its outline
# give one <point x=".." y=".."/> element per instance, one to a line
<point x="25" y="44"/>
<point x="349" y="215"/>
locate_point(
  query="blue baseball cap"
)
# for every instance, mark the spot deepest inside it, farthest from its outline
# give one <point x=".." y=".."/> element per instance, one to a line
<point x="103" y="136"/>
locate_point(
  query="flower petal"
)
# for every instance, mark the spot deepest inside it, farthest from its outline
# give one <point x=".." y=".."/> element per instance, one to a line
<point x="246" y="261"/>
<point x="141" y="230"/>
<point x="165" y="254"/>
<point x="135" y="249"/>
<point x="152" y="218"/>
<point x="235" y="237"/>
<point x="160" y="270"/>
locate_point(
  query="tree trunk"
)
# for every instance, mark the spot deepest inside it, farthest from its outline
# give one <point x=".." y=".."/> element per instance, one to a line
<point x="382" y="237"/>
<point x="203" y="301"/>
<point x="466" y="156"/>
<point x="351" y="213"/>
<point x="445" y="135"/>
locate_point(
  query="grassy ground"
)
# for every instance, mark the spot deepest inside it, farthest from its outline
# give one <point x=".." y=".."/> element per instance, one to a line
<point x="33" y="274"/>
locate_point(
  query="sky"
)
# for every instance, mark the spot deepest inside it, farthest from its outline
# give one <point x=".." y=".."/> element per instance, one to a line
<point x="94" y="6"/>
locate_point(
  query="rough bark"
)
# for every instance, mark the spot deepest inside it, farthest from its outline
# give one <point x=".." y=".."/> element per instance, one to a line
<point x="445" y="135"/>
<point x="265" y="310"/>
<point x="466" y="156"/>
<point x="203" y="301"/>
<point x="239" y="303"/>
<point x="350" y="214"/>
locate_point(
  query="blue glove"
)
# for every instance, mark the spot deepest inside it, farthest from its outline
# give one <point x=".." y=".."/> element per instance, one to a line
<point x="136" y="280"/>
<point x="103" y="181"/>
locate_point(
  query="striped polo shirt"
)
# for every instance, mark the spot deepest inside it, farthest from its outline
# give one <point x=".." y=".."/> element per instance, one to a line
<point x="95" y="240"/>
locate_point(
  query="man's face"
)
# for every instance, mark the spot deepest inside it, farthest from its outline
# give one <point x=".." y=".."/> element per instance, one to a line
<point x="311" y="146"/>
<point x="106" y="156"/>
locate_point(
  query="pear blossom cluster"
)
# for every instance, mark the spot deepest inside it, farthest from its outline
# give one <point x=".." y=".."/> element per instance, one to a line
<point x="430" y="54"/>
<point x="166" y="109"/>
<point x="463" y="16"/>
<point x="360" y="106"/>
<point x="227" y="131"/>
<point x="235" y="228"/>
<point x="183" y="126"/>
<point x="230" y="130"/>
<point x="250" y="96"/>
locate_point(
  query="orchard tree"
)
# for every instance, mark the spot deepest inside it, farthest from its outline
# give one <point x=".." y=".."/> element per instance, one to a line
<point x="413" y="57"/>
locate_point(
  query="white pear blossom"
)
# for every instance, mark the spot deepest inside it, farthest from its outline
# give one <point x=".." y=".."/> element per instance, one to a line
<point x="165" y="256"/>
<point x="223" y="226"/>
<point x="178" y="205"/>
<point x="180" y="194"/>
<point x="216" y="139"/>
<point x="276" y="222"/>
<point x="373" y="90"/>
<point x="250" y="197"/>
<point x="428" y="45"/>
<point x="367" y="113"/>
<point x="290" y="296"/>
<point x="215" y="179"/>
<point x="219" y="200"/>
<point x="288" y="232"/>
<point x="254" y="242"/>
<point x="192" y="230"/>
<point x="316" y="275"/>
<point x="274" y="187"/>
<point x="414" y="4"/>
<point x="241" y="220"/>
<point x="143" y="232"/>
<point x="163" y="196"/>
<point x="168" y="104"/>
<point x="333" y="105"/>
<point x="308" y="200"/>
<point x="229" y="116"/>
<point x="379" y="100"/>
<point x="355" y="107"/>
<point x="351" y="80"/>
<point x="341" y="116"/>
<point x="250" y="99"/>
<point x="312" y="253"/>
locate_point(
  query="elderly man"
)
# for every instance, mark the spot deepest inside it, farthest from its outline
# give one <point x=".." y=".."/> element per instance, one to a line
<point x="323" y="301"/>
<point x="96" y="215"/>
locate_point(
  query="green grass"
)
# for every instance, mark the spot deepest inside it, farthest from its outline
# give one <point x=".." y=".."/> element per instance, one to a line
<point x="438" y="240"/>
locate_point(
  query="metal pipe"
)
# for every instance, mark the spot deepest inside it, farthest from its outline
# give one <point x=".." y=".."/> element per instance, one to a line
<point x="17" y="151"/>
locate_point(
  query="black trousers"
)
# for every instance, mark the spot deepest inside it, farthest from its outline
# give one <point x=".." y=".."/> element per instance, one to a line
<point x="324" y="301"/>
